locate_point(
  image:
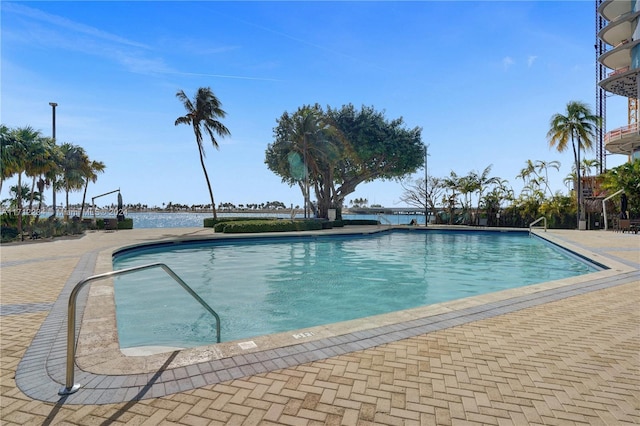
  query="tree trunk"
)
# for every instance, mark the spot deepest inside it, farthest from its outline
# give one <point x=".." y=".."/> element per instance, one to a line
<point x="19" y="202"/>
<point x="65" y="216"/>
<point x="206" y="176"/>
<point x="33" y="186"/>
<point x="576" y="159"/>
<point x="84" y="197"/>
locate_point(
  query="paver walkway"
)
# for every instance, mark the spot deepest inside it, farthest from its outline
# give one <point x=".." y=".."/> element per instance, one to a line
<point x="569" y="361"/>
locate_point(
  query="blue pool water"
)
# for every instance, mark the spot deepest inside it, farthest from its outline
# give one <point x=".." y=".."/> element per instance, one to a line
<point x="190" y="220"/>
<point x="264" y="286"/>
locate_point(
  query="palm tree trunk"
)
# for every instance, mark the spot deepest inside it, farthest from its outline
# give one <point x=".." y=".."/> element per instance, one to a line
<point x="33" y="186"/>
<point x="66" y="210"/>
<point x="19" y="201"/>
<point x="580" y="209"/>
<point x="576" y="158"/>
<point x="84" y="197"/>
<point x="53" y="196"/>
<point x="206" y="176"/>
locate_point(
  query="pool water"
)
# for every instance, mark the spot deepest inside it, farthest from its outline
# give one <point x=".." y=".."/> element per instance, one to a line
<point x="269" y="285"/>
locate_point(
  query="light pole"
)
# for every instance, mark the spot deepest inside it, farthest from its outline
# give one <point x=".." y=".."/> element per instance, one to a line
<point x="426" y="187"/>
<point x="53" y="183"/>
<point x="306" y="174"/>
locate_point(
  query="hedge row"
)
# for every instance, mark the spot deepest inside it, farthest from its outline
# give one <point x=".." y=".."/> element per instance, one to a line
<point x="360" y="222"/>
<point x="127" y="223"/>
<point x="210" y="222"/>
<point x="235" y="225"/>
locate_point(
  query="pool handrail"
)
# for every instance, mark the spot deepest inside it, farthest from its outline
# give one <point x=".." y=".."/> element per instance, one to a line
<point x="538" y="220"/>
<point x="71" y="387"/>
<point x="382" y="218"/>
<point x="604" y="207"/>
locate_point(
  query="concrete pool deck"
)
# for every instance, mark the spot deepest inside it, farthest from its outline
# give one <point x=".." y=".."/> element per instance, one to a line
<point x="560" y="353"/>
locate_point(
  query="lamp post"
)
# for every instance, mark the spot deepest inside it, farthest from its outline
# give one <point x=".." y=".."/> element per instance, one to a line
<point x="53" y="120"/>
<point x="426" y="187"/>
<point x="306" y="174"/>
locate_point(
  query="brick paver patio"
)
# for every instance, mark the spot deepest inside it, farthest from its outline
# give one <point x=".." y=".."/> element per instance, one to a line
<point x="569" y="355"/>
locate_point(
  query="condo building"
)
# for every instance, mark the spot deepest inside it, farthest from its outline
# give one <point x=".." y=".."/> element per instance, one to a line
<point x="620" y="33"/>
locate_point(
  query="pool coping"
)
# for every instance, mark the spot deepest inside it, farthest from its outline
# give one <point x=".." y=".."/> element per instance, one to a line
<point x="42" y="371"/>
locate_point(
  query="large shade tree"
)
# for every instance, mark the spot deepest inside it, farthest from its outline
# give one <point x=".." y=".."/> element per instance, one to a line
<point x="578" y="126"/>
<point x="202" y="114"/>
<point x="344" y="148"/>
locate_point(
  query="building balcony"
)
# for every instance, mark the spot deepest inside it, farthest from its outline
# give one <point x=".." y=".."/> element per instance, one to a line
<point x="623" y="81"/>
<point x="612" y="9"/>
<point x="619" y="56"/>
<point x="620" y="30"/>
<point x="624" y="140"/>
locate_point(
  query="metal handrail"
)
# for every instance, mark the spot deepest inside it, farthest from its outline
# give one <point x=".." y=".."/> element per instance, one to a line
<point x="538" y="220"/>
<point x="70" y="387"/>
<point x="382" y="218"/>
<point x="604" y="207"/>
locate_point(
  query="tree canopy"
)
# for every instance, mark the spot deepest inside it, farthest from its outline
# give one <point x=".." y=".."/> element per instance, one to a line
<point x="334" y="151"/>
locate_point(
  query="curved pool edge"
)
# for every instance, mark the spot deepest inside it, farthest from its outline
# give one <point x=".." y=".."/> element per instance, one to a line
<point x="117" y="386"/>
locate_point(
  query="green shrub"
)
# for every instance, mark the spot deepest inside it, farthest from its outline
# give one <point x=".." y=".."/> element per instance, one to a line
<point x="268" y="225"/>
<point x="326" y="224"/>
<point x="127" y="223"/>
<point x="210" y="222"/>
<point x="360" y="222"/>
<point x="8" y="233"/>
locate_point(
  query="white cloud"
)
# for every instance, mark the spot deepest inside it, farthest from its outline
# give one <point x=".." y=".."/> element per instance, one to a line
<point x="69" y="25"/>
<point x="507" y="61"/>
<point x="530" y="60"/>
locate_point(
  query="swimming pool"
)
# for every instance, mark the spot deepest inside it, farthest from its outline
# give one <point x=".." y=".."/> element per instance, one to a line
<point x="269" y="285"/>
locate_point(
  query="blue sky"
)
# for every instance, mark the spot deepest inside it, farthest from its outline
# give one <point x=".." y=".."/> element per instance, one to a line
<point x="481" y="78"/>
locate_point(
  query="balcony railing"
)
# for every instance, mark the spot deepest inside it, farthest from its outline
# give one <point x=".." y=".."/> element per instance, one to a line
<point x="621" y="132"/>
<point x="618" y="71"/>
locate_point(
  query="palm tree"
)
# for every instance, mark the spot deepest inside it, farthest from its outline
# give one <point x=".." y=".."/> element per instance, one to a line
<point x="7" y="166"/>
<point x="41" y="161"/>
<point x="202" y="113"/>
<point x="543" y="166"/>
<point x="578" y="126"/>
<point x="74" y="168"/>
<point x="91" y="175"/>
<point x="479" y="184"/>
<point x="308" y="137"/>
<point x="17" y="153"/>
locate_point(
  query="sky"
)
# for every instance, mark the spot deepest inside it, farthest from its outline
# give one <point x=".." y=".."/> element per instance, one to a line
<point x="481" y="78"/>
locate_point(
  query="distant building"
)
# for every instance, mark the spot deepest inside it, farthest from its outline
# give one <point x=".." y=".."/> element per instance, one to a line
<point x="621" y="34"/>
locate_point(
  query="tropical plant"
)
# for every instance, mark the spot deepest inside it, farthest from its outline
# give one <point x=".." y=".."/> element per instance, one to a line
<point x="451" y="183"/>
<point x="42" y="160"/>
<point x="7" y="166"/>
<point x="305" y="135"/>
<point x="18" y="146"/>
<point x="587" y="165"/>
<point x="73" y="170"/>
<point x="627" y="178"/>
<point x="479" y="182"/>
<point x="348" y="147"/>
<point x="15" y="194"/>
<point x="578" y="125"/>
<point x="543" y="167"/>
<point x="202" y="114"/>
<point x="91" y="175"/>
